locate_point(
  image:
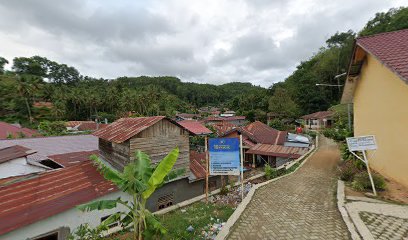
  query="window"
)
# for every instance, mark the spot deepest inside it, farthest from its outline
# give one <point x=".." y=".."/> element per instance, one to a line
<point x="114" y="224"/>
<point x="165" y="201"/>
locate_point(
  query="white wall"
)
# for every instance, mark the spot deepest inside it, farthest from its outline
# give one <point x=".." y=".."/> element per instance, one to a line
<point x="71" y="218"/>
<point x="17" y="167"/>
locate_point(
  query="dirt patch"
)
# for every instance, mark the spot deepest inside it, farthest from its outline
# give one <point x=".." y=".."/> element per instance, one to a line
<point x="395" y="192"/>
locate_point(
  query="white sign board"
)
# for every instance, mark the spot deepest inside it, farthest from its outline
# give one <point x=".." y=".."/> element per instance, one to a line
<point x="361" y="143"/>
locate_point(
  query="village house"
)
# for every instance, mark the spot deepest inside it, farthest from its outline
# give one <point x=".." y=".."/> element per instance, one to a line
<point x="263" y="144"/>
<point x="318" y="120"/>
<point x="66" y="177"/>
<point x="377" y="85"/>
<point x="187" y="116"/>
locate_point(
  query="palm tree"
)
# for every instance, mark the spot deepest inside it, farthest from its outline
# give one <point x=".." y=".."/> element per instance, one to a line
<point x="26" y="86"/>
<point x="139" y="179"/>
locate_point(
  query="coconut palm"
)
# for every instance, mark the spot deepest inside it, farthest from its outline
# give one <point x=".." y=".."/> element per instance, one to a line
<point x="139" y="179"/>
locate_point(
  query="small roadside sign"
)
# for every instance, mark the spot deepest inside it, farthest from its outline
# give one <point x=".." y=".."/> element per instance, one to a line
<point x="361" y="143"/>
<point x="224" y="156"/>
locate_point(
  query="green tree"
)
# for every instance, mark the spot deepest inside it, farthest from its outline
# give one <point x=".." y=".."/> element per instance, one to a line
<point x="55" y="128"/>
<point x="27" y="85"/>
<point x="282" y="104"/>
<point x="139" y="179"/>
<point x="394" y="19"/>
<point x="3" y="62"/>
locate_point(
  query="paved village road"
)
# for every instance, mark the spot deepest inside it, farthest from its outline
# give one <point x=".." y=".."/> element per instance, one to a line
<point x="300" y="206"/>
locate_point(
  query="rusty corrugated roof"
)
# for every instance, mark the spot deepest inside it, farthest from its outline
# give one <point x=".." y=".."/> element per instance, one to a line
<point x="7" y="129"/>
<point x="277" y="150"/>
<point x="195" y="127"/>
<point x="13" y="152"/>
<point x="69" y="159"/>
<point x="197" y="164"/>
<point x="125" y="128"/>
<point x="50" y="193"/>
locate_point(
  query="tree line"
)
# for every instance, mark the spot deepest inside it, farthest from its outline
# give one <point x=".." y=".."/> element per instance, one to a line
<point x="78" y="97"/>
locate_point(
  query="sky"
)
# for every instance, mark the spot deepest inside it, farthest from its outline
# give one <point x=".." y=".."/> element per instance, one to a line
<point x="211" y="41"/>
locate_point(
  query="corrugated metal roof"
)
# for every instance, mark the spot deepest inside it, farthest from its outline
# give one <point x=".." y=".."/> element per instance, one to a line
<point x="277" y="150"/>
<point x="69" y="159"/>
<point x="50" y="193"/>
<point x="125" y="128"/>
<point x="46" y="146"/>
<point x="197" y="164"/>
<point x="13" y="152"/>
<point x="195" y="127"/>
<point x="265" y="134"/>
<point x="6" y="129"/>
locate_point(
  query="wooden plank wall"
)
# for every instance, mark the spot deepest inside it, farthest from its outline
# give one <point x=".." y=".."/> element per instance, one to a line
<point x="158" y="140"/>
<point x="114" y="153"/>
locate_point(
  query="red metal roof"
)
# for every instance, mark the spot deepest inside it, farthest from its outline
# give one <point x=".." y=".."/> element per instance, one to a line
<point x="125" y="128"/>
<point x="6" y="129"/>
<point x="224" y="118"/>
<point x="13" y="152"/>
<point x="50" y="193"/>
<point x="262" y="133"/>
<point x="197" y="164"/>
<point x="390" y="48"/>
<point x="277" y="150"/>
<point x="318" y="115"/>
<point x="195" y="127"/>
<point x="69" y="159"/>
<point x="223" y="127"/>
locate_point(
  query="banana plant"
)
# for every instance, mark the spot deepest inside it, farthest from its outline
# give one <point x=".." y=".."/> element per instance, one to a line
<point x="139" y="179"/>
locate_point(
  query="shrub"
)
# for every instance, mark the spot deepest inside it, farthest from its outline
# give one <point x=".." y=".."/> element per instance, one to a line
<point x="362" y="181"/>
<point x="270" y="173"/>
<point x="348" y="170"/>
<point x="312" y="134"/>
<point x="224" y="190"/>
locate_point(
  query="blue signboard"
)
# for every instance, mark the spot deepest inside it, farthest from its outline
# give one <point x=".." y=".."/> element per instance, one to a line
<point x="224" y="156"/>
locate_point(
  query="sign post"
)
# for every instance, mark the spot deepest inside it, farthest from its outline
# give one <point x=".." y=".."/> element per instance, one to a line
<point x="206" y="169"/>
<point x="242" y="167"/>
<point x="362" y="144"/>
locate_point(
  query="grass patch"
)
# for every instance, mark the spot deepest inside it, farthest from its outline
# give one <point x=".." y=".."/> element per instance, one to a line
<point x="199" y="215"/>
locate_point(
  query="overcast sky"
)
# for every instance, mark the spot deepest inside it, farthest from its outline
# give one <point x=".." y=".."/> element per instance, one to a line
<point x="208" y="41"/>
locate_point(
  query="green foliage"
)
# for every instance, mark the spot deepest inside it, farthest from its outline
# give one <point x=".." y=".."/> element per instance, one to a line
<point x="85" y="232"/>
<point x="394" y="19"/>
<point x="362" y="182"/>
<point x="3" y="62"/>
<point x="282" y="104"/>
<point x="139" y="179"/>
<point x="348" y="170"/>
<point x="224" y="190"/>
<point x="277" y="124"/>
<point x="55" y="128"/>
<point x="270" y="173"/>
<point x="21" y="135"/>
<point x="199" y="215"/>
<point x="312" y="134"/>
<point x="337" y="134"/>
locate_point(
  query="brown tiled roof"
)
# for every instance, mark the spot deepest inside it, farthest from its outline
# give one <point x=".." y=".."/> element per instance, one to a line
<point x="390" y="48"/>
<point x="6" y="129"/>
<point x="195" y="127"/>
<point x="13" y="152"/>
<point x="125" y="128"/>
<point x="50" y="193"/>
<point x="277" y="150"/>
<point x="318" y="115"/>
<point x="225" y="118"/>
<point x="197" y="164"/>
<point x="69" y="159"/>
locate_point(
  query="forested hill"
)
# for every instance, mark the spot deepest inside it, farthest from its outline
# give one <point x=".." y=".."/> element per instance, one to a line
<point x="36" y="79"/>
